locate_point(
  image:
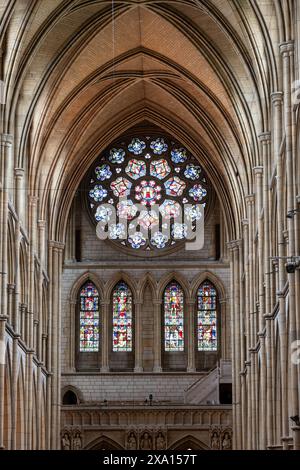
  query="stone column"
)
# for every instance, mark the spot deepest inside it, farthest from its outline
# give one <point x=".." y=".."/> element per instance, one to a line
<point x="19" y="174"/>
<point x="55" y="258"/>
<point x="157" y="343"/>
<point x="10" y="298"/>
<point x="287" y="51"/>
<point x="138" y="356"/>
<point x="225" y="333"/>
<point x="3" y="320"/>
<point x="106" y="339"/>
<point x="191" y="332"/>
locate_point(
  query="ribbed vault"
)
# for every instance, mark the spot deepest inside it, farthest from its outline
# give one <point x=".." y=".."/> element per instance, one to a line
<point x="81" y="73"/>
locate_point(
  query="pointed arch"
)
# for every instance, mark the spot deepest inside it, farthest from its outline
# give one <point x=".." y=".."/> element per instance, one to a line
<point x="189" y="442"/>
<point x="213" y="278"/>
<point x="87" y="276"/>
<point x="120" y="276"/>
<point x="148" y="279"/>
<point x="173" y="276"/>
<point x="104" y="443"/>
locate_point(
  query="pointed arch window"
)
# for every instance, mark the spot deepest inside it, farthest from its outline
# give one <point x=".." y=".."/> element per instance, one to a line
<point x="89" y="318"/>
<point x="122" y="318"/>
<point x="173" y="318"/>
<point x="207" y="317"/>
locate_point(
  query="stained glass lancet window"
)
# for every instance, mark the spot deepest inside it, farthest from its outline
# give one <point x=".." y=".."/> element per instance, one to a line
<point x="122" y="318"/>
<point x="173" y="318"/>
<point x="89" y="318"/>
<point x="207" y="317"/>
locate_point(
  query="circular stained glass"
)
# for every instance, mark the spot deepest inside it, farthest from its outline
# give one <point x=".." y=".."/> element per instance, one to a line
<point x="148" y="189"/>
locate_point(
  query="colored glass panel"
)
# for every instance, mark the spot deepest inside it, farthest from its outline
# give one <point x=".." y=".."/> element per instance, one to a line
<point x="207" y="317"/>
<point x="89" y="319"/>
<point x="122" y="318"/>
<point x="159" y="169"/>
<point x="136" y="169"/>
<point x="173" y="318"/>
<point x="174" y="186"/>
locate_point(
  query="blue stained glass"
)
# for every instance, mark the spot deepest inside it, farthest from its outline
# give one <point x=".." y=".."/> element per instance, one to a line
<point x="179" y="231"/>
<point x="117" y="231"/>
<point x="103" y="172"/>
<point x="98" y="193"/>
<point x="158" y="146"/>
<point x="159" y="240"/>
<point x="137" y="240"/>
<point x="197" y="192"/>
<point x="192" y="171"/>
<point x="89" y="319"/>
<point x="178" y="155"/>
<point x="193" y="213"/>
<point x="116" y="156"/>
<point x="103" y="214"/>
<point x="136" y="146"/>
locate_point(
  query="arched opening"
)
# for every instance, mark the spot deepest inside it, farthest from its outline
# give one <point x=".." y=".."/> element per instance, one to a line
<point x="70" y="398"/>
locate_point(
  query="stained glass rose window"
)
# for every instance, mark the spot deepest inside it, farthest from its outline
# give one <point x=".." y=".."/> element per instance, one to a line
<point x="154" y="185"/>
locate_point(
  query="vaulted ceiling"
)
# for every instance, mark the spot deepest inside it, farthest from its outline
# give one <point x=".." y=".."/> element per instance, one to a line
<point x="80" y="73"/>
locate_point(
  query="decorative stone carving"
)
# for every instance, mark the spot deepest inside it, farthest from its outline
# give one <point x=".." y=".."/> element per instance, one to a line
<point x="146" y="441"/>
<point x="215" y="439"/>
<point x="226" y="439"/>
<point x="65" y="440"/>
<point x="77" y="441"/>
<point x="160" y="441"/>
<point x="131" y="441"/>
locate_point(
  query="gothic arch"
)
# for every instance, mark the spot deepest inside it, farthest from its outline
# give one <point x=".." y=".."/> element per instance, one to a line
<point x="103" y="442"/>
<point x="111" y="284"/>
<point x="187" y="442"/>
<point x="214" y="279"/>
<point x="87" y="276"/>
<point x="174" y="276"/>
<point x="148" y="279"/>
<point x="75" y="390"/>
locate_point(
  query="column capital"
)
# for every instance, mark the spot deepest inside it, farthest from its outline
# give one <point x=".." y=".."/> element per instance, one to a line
<point x="32" y="200"/>
<point x="258" y="170"/>
<point x="41" y="224"/>
<point x="277" y="97"/>
<point x="6" y="139"/>
<point x="249" y="199"/>
<point x="264" y="136"/>
<point x="103" y="303"/>
<point x="19" y="172"/>
<point x="56" y="244"/>
<point x="286" y="47"/>
<point x="234" y="245"/>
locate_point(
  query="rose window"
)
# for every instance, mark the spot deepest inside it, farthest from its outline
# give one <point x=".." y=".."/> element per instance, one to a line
<point x="148" y="191"/>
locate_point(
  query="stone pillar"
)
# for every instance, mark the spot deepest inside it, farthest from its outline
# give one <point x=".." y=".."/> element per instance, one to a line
<point x="225" y="354"/>
<point x="10" y="298"/>
<point x="191" y="349"/>
<point x="138" y="356"/>
<point x="157" y="343"/>
<point x="3" y="320"/>
<point x="106" y="340"/>
<point x="72" y="336"/>
<point x="287" y="51"/>
<point x="55" y="258"/>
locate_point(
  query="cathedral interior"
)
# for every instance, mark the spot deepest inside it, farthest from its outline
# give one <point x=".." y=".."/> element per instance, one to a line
<point x="128" y="127"/>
